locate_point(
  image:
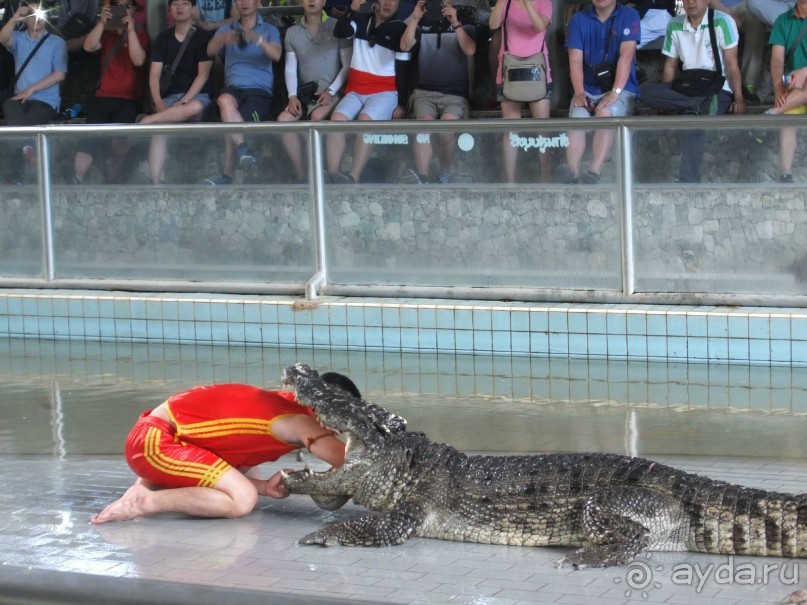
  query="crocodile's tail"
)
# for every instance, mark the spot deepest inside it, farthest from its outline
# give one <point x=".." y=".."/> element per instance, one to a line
<point x="744" y="521"/>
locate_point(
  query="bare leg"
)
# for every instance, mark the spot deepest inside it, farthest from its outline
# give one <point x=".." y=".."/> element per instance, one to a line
<point x="787" y="149"/>
<point x="361" y="152"/>
<point x="795" y="98"/>
<point x="448" y="146"/>
<point x="335" y="146"/>
<point x="158" y="152"/>
<point x="510" y="111"/>
<point x="540" y="111"/>
<point x="422" y="152"/>
<point x="82" y="163"/>
<point x="233" y="496"/>
<point x="293" y="146"/>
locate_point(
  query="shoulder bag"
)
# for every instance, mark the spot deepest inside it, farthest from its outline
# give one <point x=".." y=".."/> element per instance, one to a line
<point x="78" y="24"/>
<point x="167" y="74"/>
<point x="523" y="78"/>
<point x="702" y="82"/>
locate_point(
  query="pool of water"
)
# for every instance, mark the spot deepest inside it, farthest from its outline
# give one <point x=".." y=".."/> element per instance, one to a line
<point x="81" y="398"/>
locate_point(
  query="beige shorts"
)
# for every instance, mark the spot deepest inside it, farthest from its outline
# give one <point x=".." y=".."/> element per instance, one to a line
<point x="435" y="104"/>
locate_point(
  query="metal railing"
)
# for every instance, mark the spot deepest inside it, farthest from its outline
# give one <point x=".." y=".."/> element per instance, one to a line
<point x="624" y="190"/>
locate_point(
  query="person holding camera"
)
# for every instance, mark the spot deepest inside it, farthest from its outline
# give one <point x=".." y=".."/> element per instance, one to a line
<point x="601" y="41"/>
<point x="178" y="79"/>
<point x="317" y="64"/>
<point x="248" y="47"/>
<point x="40" y="61"/>
<point x="443" y="45"/>
<point x="378" y="81"/>
<point x="121" y="86"/>
<point x="688" y="44"/>
<point x="524" y="24"/>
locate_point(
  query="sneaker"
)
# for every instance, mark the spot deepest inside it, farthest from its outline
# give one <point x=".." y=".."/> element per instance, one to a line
<point x="750" y="95"/>
<point x="340" y="178"/>
<point x="768" y="112"/>
<point x="564" y="174"/>
<point x="219" y="181"/>
<point x="412" y="177"/>
<point x="245" y="156"/>
<point x="590" y="178"/>
<point x="445" y="178"/>
<point x="786" y="178"/>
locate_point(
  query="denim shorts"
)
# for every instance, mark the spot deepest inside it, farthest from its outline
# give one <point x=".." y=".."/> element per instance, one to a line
<point x="202" y="97"/>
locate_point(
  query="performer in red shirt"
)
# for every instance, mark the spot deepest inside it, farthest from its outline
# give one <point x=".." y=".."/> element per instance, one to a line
<point x="200" y="444"/>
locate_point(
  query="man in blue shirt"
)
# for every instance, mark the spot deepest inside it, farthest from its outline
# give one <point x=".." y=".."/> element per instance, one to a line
<point x="248" y="47"/>
<point x="602" y="43"/>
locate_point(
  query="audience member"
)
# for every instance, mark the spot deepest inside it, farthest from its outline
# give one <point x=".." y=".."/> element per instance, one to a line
<point x="40" y="61"/>
<point x="213" y="14"/>
<point x="316" y="63"/>
<point x="121" y="86"/>
<point x="378" y="80"/>
<point x="188" y="95"/>
<point x="767" y="11"/>
<point x="688" y="41"/>
<point x="74" y="19"/>
<point x="443" y="85"/>
<point x="789" y="56"/>
<point x="602" y="41"/>
<point x="753" y="43"/>
<point x="524" y="24"/>
<point x="654" y="17"/>
<point x="248" y="47"/>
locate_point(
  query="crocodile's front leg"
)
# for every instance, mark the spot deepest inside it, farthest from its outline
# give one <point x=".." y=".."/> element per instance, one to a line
<point x="386" y="529"/>
<point x="620" y="523"/>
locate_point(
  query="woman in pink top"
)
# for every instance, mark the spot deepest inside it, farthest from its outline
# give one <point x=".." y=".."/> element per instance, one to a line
<point x="525" y="32"/>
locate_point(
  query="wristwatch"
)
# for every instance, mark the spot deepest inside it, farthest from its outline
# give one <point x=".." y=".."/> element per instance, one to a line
<point x="618" y="91"/>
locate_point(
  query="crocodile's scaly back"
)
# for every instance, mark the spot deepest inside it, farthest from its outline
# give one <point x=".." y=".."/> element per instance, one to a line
<point x="611" y="506"/>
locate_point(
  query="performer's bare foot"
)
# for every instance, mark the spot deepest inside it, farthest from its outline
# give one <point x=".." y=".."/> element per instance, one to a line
<point x="129" y="506"/>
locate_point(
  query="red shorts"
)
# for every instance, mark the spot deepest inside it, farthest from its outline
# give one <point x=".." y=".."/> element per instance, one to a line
<point x="155" y="454"/>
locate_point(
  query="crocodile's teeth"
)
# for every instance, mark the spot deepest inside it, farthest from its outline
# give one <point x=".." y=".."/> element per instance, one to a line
<point x="307" y="468"/>
<point x="284" y="474"/>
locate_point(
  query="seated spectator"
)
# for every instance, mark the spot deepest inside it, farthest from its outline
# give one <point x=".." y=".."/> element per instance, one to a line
<point x="213" y="14"/>
<point x="753" y="43"/>
<point x="313" y="56"/>
<point x="188" y="94"/>
<point x="74" y="19"/>
<point x="602" y="43"/>
<point x="524" y="24"/>
<point x="377" y="84"/>
<point x="688" y="42"/>
<point x="768" y="11"/>
<point x="789" y="56"/>
<point x="248" y="47"/>
<point x="121" y="87"/>
<point x="40" y="61"/>
<point x="443" y="84"/>
<point x="654" y="16"/>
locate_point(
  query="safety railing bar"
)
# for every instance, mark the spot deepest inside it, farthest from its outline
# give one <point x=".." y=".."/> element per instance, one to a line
<point x="625" y="172"/>
<point x="43" y="174"/>
<point x="315" y="177"/>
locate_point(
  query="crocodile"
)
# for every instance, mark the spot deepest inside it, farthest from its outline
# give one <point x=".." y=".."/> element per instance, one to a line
<point x="610" y="507"/>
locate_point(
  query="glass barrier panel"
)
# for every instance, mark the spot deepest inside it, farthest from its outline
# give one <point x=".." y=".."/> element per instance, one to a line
<point x="155" y="207"/>
<point x="21" y="245"/>
<point x="739" y="230"/>
<point x="404" y="223"/>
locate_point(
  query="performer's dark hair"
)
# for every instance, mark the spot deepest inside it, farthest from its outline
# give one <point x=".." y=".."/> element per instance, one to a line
<point x="341" y="381"/>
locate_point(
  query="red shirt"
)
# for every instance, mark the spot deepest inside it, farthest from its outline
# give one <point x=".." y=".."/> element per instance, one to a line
<point x="234" y="421"/>
<point x="123" y="79"/>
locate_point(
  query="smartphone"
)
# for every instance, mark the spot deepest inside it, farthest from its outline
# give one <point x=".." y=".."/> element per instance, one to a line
<point x="434" y="10"/>
<point x="116" y="21"/>
<point x="370" y="7"/>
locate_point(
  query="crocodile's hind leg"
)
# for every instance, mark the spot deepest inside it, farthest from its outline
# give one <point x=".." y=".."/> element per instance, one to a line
<point x="394" y="527"/>
<point x="620" y="523"/>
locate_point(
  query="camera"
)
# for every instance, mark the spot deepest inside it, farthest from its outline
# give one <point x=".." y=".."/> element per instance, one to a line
<point x="118" y="13"/>
<point x="434" y="10"/>
<point x="604" y="72"/>
<point x="242" y="41"/>
<point x="369" y="7"/>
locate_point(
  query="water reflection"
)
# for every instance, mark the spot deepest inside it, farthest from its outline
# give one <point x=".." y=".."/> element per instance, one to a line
<point x="79" y="398"/>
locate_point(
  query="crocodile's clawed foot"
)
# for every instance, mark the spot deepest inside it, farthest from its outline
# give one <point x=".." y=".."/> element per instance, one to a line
<point x="321" y="538"/>
<point x="605" y="555"/>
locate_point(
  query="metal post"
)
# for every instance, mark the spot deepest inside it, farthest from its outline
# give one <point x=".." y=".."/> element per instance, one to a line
<point x="43" y="174"/>
<point x="315" y="172"/>
<point x="625" y="172"/>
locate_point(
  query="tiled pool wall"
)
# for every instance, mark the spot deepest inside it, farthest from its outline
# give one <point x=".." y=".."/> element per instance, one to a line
<point x="749" y="335"/>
